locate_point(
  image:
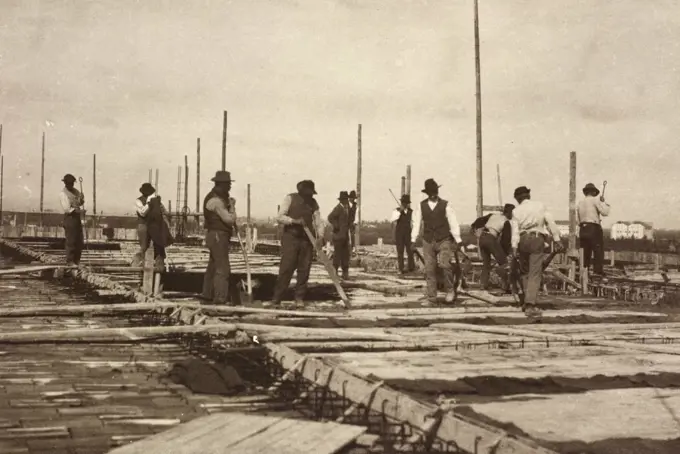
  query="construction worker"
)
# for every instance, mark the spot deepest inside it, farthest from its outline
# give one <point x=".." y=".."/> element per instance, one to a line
<point x="533" y="224"/>
<point x="340" y="220"/>
<point x="490" y="229"/>
<point x="219" y="215"/>
<point x="298" y="210"/>
<point x="353" y="219"/>
<point x="152" y="225"/>
<point x="441" y="239"/>
<point x="401" y="219"/>
<point x="591" y="237"/>
<point x="72" y="202"/>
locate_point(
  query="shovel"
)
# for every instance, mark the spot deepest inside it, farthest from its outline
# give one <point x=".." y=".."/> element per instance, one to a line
<point x="248" y="274"/>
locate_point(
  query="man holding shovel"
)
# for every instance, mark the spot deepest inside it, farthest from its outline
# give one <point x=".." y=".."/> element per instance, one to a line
<point x="72" y="201"/>
<point x="591" y="237"/>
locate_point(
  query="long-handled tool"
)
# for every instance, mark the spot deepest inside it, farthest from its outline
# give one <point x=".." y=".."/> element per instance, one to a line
<point x="80" y="180"/>
<point x="249" y="279"/>
<point x="329" y="268"/>
<point x="604" y="187"/>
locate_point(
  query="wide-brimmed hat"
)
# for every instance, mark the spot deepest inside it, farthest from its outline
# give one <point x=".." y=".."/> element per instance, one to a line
<point x="522" y="190"/>
<point x="508" y="207"/>
<point x="68" y="177"/>
<point x="431" y="186"/>
<point x="406" y="199"/>
<point x="222" y="176"/>
<point x="306" y="184"/>
<point x="352" y="195"/>
<point x="343" y="195"/>
<point x="147" y="189"/>
<point x="590" y="187"/>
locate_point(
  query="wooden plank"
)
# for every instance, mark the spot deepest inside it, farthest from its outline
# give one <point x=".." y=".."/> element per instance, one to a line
<point x="471" y="436"/>
<point x="33" y="269"/>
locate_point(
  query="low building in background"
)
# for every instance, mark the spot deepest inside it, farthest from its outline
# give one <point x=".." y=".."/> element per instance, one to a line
<point x="636" y="230"/>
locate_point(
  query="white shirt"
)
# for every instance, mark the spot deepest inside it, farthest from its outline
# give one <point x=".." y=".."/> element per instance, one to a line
<point x="533" y="216"/>
<point x="417" y="217"/>
<point x="396" y="214"/>
<point x="70" y="201"/>
<point x="591" y="209"/>
<point x="143" y="208"/>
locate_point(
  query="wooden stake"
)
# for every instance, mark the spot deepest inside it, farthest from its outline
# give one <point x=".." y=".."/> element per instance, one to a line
<point x="94" y="184"/>
<point x="572" y="201"/>
<point x="198" y="175"/>
<point x="408" y="179"/>
<point x="357" y="240"/>
<point x="2" y="183"/>
<point x="150" y="176"/>
<point x="148" y="277"/>
<point x="478" y="92"/>
<point x="403" y="185"/>
<point x="224" y="142"/>
<point x="155" y="183"/>
<point x="42" y="177"/>
<point x="249" y="238"/>
<point x="186" y="186"/>
<point x="498" y="178"/>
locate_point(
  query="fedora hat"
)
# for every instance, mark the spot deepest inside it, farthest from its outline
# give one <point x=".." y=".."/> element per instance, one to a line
<point x="147" y="189"/>
<point x="522" y="190"/>
<point x="306" y="185"/>
<point x="406" y="199"/>
<point x="353" y="195"/>
<point x="508" y="207"/>
<point x="431" y="186"/>
<point x="222" y="176"/>
<point x="590" y="187"/>
<point x="343" y="195"/>
<point x="68" y="177"/>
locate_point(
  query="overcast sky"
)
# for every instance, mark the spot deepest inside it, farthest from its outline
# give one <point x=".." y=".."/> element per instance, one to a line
<point x="136" y="82"/>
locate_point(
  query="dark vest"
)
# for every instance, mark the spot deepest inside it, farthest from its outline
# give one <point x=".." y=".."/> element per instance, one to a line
<point x="213" y="221"/>
<point x="141" y="220"/>
<point x="435" y="225"/>
<point x="300" y="209"/>
<point x="404" y="222"/>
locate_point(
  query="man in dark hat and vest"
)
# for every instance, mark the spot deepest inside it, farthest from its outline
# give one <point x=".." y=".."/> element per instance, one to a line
<point x="401" y="218"/>
<point x="297" y="211"/>
<point x="535" y="225"/>
<point x="72" y="202"/>
<point x="219" y="214"/>
<point x="591" y="237"/>
<point x="152" y="219"/>
<point x="441" y="239"/>
<point x="490" y="230"/>
<point x="340" y="220"/>
<point x="353" y="219"/>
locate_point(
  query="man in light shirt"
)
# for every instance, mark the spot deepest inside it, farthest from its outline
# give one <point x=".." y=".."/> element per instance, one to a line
<point x="297" y="211"/>
<point x="591" y="237"/>
<point x="72" y="201"/>
<point x="401" y="218"/>
<point x="219" y="217"/>
<point x="534" y="225"/>
<point x="490" y="229"/>
<point x="353" y="219"/>
<point x="152" y="218"/>
<point x="439" y="227"/>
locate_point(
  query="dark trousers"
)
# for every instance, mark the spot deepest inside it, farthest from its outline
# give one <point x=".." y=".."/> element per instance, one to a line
<point x="144" y="241"/>
<point x="531" y="253"/>
<point x="489" y="246"/>
<point x="403" y="241"/>
<point x="591" y="238"/>
<point x="216" y="280"/>
<point x="296" y="255"/>
<point x="341" y="253"/>
<point x="73" y="231"/>
<point x="438" y="254"/>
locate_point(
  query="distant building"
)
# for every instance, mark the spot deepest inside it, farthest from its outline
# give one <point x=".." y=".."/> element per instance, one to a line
<point x="636" y="230"/>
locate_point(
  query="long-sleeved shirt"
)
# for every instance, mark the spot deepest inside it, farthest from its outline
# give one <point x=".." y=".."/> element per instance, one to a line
<point x="143" y="208"/>
<point x="216" y="205"/>
<point x="591" y="209"/>
<point x="496" y="223"/>
<point x="70" y="201"/>
<point x="396" y="214"/>
<point x="284" y="219"/>
<point x="533" y="216"/>
<point x="417" y="217"/>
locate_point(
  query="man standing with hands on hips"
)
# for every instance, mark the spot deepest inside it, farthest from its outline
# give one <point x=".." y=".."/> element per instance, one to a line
<point x="441" y="239"/>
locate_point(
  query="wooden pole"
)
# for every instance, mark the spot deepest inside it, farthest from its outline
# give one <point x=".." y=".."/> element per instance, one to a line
<point x="403" y="185"/>
<point x="572" y="201"/>
<point x="186" y="185"/>
<point x="498" y="177"/>
<point x="408" y="179"/>
<point x="2" y="182"/>
<point x="150" y="176"/>
<point x="478" y="80"/>
<point x="249" y="239"/>
<point x="42" y="177"/>
<point x="224" y="142"/>
<point x="357" y="240"/>
<point x="155" y="183"/>
<point x="198" y="175"/>
<point x="94" y="184"/>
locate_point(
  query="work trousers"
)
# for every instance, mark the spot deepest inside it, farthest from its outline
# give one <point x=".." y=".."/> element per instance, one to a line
<point x="591" y="238"/>
<point x="296" y="255"/>
<point x="489" y="246"/>
<point x="403" y="241"/>
<point x="144" y="241"/>
<point x="531" y="254"/>
<point x="352" y="237"/>
<point x="73" y="231"/>
<point x="341" y="253"/>
<point x="438" y="253"/>
<point x="216" y="280"/>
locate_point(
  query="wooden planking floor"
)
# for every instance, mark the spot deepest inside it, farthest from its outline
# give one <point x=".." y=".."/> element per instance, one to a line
<point x="237" y="433"/>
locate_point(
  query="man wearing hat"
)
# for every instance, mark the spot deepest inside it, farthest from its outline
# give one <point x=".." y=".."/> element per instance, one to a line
<point x="353" y="218"/>
<point x="219" y="217"/>
<point x="490" y="229"/>
<point x="297" y="211"/>
<point x="152" y="218"/>
<point x="72" y="201"/>
<point x="340" y="220"/>
<point x="441" y="239"/>
<point x="591" y="237"/>
<point x="535" y="224"/>
<point x="401" y="219"/>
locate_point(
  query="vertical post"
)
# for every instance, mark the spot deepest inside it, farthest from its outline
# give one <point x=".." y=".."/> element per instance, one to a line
<point x="403" y="185"/>
<point x="478" y="80"/>
<point x="94" y="184"/>
<point x="2" y="182"/>
<point x="498" y="178"/>
<point x="248" y="226"/>
<point x="408" y="179"/>
<point x="224" y="142"/>
<point x="198" y="175"/>
<point x="155" y="182"/>
<point x="186" y="186"/>
<point x="612" y="258"/>
<point x="42" y="177"/>
<point x="357" y="240"/>
<point x="148" y="273"/>
<point x="150" y="176"/>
